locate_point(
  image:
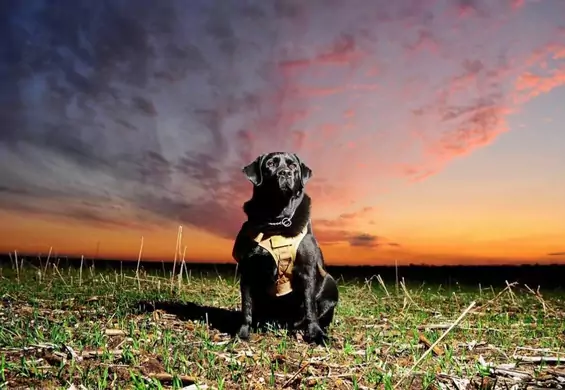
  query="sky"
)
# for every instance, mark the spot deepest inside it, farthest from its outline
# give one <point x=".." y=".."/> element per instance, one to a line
<point x="433" y="127"/>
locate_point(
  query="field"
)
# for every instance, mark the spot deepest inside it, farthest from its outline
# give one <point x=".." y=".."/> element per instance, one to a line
<point x="91" y="329"/>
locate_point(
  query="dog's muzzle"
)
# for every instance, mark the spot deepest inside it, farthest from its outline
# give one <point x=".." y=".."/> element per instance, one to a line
<point x="285" y="178"/>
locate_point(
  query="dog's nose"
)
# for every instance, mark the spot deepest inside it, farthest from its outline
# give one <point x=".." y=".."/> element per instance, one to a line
<point x="285" y="172"/>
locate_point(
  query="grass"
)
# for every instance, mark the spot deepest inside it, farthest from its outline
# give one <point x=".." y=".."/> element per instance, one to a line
<point x="85" y="328"/>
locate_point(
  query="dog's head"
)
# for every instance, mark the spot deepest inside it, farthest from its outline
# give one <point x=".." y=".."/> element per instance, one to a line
<point x="278" y="171"/>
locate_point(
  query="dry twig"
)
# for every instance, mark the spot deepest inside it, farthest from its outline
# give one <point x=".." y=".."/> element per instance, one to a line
<point x="435" y="348"/>
<point x="165" y="377"/>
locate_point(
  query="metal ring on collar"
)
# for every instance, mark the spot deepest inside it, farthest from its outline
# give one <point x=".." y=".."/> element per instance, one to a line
<point x="286" y="222"/>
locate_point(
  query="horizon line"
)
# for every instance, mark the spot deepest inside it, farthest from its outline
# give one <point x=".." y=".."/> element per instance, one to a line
<point x="485" y="263"/>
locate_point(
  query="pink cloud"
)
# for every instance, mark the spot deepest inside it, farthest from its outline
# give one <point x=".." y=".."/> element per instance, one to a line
<point x="516" y="4"/>
<point x="425" y="41"/>
<point x="343" y="52"/>
<point x="353" y="103"/>
<point x="481" y="127"/>
<point x="315" y="92"/>
<point x="466" y="7"/>
<point x="533" y="85"/>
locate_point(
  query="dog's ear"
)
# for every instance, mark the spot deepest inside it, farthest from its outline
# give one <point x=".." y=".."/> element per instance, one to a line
<point x="253" y="171"/>
<point x="305" y="171"/>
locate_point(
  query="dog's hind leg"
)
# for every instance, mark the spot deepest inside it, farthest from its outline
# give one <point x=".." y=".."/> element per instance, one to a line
<point x="326" y="317"/>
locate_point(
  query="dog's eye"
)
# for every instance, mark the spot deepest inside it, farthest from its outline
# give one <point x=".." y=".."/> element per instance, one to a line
<point x="270" y="163"/>
<point x="293" y="166"/>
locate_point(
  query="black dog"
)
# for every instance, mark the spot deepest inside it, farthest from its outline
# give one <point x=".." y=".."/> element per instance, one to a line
<point x="280" y="262"/>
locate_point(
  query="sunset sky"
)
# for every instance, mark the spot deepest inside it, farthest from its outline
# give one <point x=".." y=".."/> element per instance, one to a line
<point x="434" y="128"/>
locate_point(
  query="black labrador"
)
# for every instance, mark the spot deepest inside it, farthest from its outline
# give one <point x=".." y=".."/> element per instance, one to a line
<point x="282" y="274"/>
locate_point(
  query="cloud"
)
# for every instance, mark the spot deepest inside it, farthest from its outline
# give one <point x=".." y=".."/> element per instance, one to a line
<point x="345" y="219"/>
<point x="556" y="254"/>
<point x="367" y="240"/>
<point x="533" y="85"/>
<point x="425" y="41"/>
<point x="343" y="52"/>
<point x="148" y="111"/>
<point x="354" y="239"/>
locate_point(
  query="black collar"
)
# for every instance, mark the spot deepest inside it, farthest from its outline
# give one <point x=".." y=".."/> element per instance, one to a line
<point x="285" y="219"/>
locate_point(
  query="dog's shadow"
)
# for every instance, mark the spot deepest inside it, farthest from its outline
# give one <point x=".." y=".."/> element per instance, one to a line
<point x="223" y="320"/>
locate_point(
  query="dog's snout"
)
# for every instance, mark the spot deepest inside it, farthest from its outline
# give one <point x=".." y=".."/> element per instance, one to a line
<point x="285" y="172"/>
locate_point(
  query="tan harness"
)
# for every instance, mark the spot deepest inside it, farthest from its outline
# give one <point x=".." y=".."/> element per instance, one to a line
<point x="283" y="250"/>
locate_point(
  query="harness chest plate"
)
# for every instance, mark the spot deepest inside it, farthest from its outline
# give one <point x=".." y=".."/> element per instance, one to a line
<point x="283" y="250"/>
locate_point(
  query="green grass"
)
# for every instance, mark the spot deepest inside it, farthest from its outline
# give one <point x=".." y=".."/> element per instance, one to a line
<point x="68" y="327"/>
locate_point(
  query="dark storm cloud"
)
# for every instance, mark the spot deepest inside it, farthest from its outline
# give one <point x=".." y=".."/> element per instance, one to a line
<point x="75" y="80"/>
<point x="146" y="104"/>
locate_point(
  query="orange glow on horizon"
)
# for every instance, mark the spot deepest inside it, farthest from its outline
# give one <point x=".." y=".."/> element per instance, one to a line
<point x="36" y="236"/>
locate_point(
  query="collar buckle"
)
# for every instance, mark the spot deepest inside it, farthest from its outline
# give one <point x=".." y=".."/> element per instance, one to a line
<point x="286" y="222"/>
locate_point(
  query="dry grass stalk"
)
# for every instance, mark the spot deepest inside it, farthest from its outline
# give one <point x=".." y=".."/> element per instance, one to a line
<point x="114" y="332"/>
<point x="293" y="377"/>
<point x="80" y="271"/>
<point x="547" y="350"/>
<point x="17" y="266"/>
<point x="434" y="327"/>
<point x="406" y="294"/>
<point x="138" y="263"/>
<point x="152" y="280"/>
<point x="187" y="275"/>
<point x="396" y="274"/>
<point x="177" y="252"/>
<point x="182" y="266"/>
<point x="435" y="344"/>
<point x="59" y="273"/>
<point x="499" y="294"/>
<point x="512" y="296"/>
<point x="99" y="352"/>
<point x="540" y="299"/>
<point x="382" y="283"/>
<point x="540" y="359"/>
<point x="235" y="273"/>
<point x="48" y="258"/>
<point x="519" y="375"/>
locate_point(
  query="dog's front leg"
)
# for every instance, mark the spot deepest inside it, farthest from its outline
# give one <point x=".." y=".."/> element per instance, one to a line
<point x="246" y="310"/>
<point x="315" y="332"/>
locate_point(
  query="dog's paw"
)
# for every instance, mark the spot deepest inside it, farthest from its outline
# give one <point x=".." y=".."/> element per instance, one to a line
<point x="243" y="332"/>
<point x="316" y="334"/>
